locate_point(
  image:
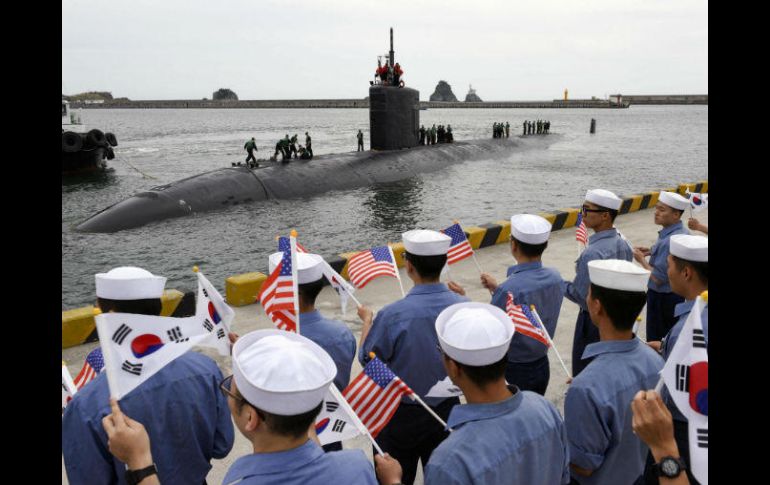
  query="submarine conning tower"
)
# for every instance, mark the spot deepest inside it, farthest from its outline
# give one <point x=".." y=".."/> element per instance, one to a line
<point x="394" y="113"/>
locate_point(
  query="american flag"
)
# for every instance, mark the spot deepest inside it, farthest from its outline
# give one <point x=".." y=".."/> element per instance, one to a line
<point x="460" y="248"/>
<point x="284" y="244"/>
<point x="581" y="234"/>
<point x="91" y="367"/>
<point x="375" y="395"/>
<point x="367" y="265"/>
<point x="525" y="322"/>
<point x="277" y="295"/>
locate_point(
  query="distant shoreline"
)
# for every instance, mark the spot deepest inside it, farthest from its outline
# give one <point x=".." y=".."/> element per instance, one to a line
<point x="699" y="99"/>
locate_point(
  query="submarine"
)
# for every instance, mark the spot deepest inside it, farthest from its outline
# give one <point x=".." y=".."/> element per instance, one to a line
<point x="394" y="121"/>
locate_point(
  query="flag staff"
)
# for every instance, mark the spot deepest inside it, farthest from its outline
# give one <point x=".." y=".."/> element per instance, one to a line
<point x="414" y="397"/>
<point x="356" y="420"/>
<point x="343" y="283"/>
<point x="553" y="346"/>
<point x="112" y="379"/>
<point x="473" y="253"/>
<point x="395" y="267"/>
<point x="294" y="273"/>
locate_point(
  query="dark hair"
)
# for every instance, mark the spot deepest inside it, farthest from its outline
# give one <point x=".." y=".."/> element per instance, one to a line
<point x="679" y="211"/>
<point x="621" y="306"/>
<point x="292" y="426"/>
<point x="147" y="306"/>
<point x="484" y="374"/>
<point x="701" y="268"/>
<point x="613" y="214"/>
<point x="428" y="267"/>
<point x="531" y="250"/>
<point x="308" y="292"/>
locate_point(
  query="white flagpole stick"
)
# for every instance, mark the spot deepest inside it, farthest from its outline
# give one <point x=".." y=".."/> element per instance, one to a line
<point x="356" y="420"/>
<point x="343" y="283"/>
<point x="104" y="342"/>
<point x="659" y="385"/>
<point x="294" y="273"/>
<point x="477" y="263"/>
<point x="415" y="397"/>
<point x="395" y="266"/>
<point x="67" y="378"/>
<point x="472" y="251"/>
<point x="548" y="336"/>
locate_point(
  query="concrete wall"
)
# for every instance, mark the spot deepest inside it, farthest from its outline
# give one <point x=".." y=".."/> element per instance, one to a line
<point x="667" y="99"/>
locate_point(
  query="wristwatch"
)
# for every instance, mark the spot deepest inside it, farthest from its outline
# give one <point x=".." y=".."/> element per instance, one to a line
<point x="135" y="476"/>
<point x="669" y="467"/>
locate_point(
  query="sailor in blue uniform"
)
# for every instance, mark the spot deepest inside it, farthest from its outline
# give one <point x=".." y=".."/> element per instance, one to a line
<point x="688" y="276"/>
<point x="332" y="335"/>
<point x="660" y="299"/>
<point x="403" y="337"/>
<point x="599" y="212"/>
<point x="531" y="284"/>
<point x="597" y="409"/>
<point x="503" y="436"/>
<point x="184" y="412"/>
<point x="274" y="395"/>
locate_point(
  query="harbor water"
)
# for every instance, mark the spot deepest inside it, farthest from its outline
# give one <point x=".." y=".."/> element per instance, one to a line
<point x="634" y="150"/>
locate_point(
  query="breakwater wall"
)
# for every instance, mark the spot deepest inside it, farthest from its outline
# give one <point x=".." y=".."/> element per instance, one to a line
<point x="667" y="99"/>
<point x="627" y="100"/>
<point x="364" y="103"/>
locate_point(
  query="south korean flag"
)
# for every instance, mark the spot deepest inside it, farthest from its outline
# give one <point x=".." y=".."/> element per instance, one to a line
<point x="214" y="314"/>
<point x="344" y="289"/>
<point x="135" y="347"/>
<point x="686" y="377"/>
<point x="336" y="421"/>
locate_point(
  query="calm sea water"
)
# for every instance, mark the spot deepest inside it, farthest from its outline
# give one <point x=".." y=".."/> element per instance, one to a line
<point x="634" y="150"/>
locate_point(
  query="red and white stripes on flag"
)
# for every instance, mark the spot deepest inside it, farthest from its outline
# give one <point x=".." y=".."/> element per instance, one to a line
<point x="375" y="395"/>
<point x="91" y="367"/>
<point x="459" y="248"/>
<point x="372" y="263"/>
<point x="277" y="295"/>
<point x="581" y="233"/>
<point x="524" y="321"/>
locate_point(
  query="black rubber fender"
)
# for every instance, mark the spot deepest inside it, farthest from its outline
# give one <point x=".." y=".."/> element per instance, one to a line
<point x="96" y="137"/>
<point x="111" y="139"/>
<point x="71" y="141"/>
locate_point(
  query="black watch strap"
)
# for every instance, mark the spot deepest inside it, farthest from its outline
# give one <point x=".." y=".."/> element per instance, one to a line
<point x="135" y="476"/>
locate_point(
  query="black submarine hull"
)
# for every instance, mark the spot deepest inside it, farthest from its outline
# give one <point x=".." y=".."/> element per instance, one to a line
<point x="299" y="178"/>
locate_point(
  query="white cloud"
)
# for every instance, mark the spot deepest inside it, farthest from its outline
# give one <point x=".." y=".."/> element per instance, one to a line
<point x="304" y="49"/>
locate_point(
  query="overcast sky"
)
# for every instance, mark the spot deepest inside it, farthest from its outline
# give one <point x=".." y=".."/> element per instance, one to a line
<point x="304" y="49"/>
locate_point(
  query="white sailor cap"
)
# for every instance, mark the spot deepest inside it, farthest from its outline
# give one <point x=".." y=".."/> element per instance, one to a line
<point x="474" y="333"/>
<point x="281" y="372"/>
<point x="617" y="274"/>
<point x="530" y="229"/>
<point x="674" y="200"/>
<point x="604" y="198"/>
<point x="422" y="242"/>
<point x="309" y="266"/>
<point x="129" y="283"/>
<point x="690" y="247"/>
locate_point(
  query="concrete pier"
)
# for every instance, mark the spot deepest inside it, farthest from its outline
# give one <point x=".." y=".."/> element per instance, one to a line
<point x="638" y="227"/>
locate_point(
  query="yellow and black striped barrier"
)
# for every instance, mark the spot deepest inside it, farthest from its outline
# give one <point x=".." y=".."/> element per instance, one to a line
<point x="78" y="325"/>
